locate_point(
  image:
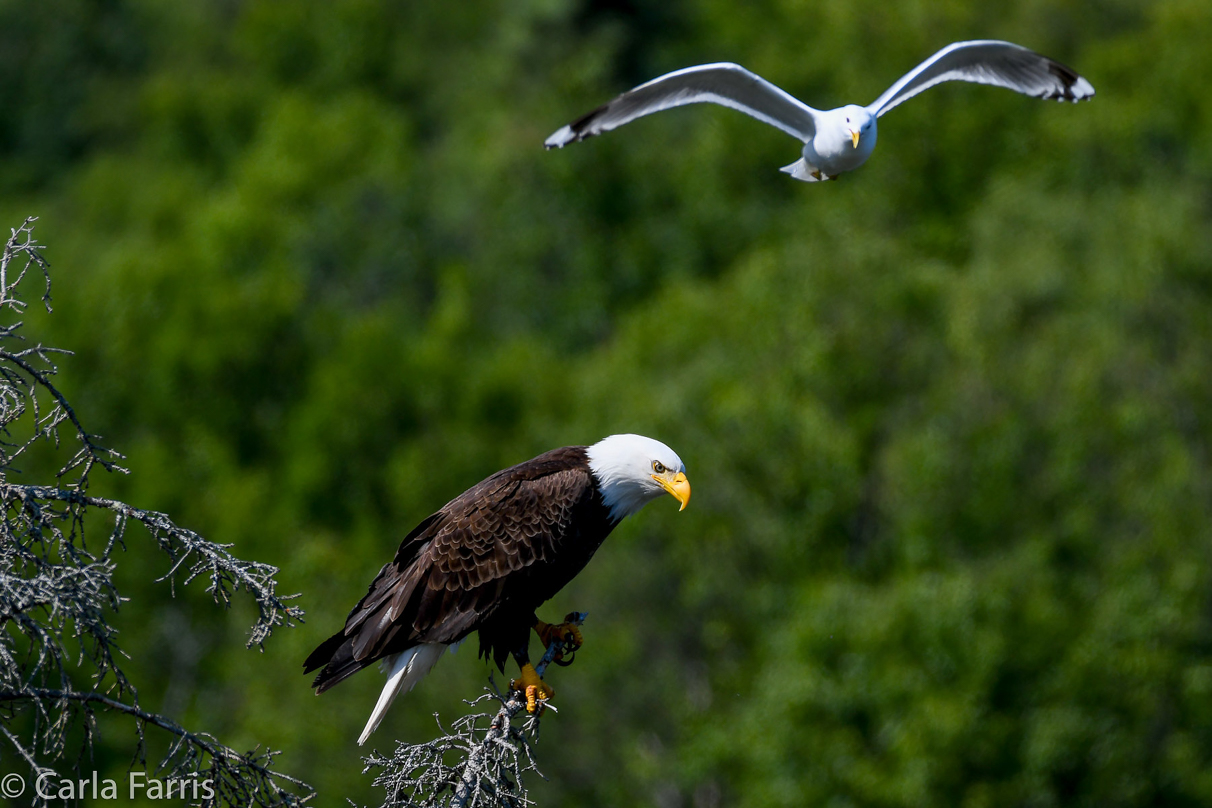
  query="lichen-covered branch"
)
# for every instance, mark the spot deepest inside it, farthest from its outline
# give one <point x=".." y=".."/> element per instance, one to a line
<point x="236" y="779"/>
<point x="59" y="656"/>
<point x="479" y="762"/>
<point x="192" y="555"/>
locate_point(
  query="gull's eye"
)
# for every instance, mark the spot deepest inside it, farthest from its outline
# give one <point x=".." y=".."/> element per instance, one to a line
<point x="847" y="120"/>
<point x="658" y="467"/>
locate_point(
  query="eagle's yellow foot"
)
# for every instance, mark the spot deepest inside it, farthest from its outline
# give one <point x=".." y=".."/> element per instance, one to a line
<point x="537" y="691"/>
<point x="568" y="633"/>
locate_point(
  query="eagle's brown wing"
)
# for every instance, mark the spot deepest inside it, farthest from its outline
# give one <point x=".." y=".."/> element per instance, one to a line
<point x="487" y="559"/>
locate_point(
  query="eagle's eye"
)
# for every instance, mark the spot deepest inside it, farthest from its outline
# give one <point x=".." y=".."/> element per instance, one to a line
<point x="658" y="467"/>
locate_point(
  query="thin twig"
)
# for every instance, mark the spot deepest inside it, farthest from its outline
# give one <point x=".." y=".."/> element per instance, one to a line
<point x="492" y="751"/>
<point x="57" y="593"/>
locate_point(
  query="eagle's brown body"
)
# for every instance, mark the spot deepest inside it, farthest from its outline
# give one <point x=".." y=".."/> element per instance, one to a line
<point x="484" y="563"/>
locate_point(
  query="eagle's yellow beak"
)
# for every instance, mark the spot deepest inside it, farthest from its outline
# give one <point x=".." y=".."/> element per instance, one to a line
<point x="679" y="487"/>
<point x="854" y="136"/>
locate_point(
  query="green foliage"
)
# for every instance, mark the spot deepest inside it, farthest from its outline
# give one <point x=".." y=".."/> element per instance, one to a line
<point x="946" y="420"/>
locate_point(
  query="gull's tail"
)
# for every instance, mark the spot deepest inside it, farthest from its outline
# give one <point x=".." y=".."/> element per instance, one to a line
<point x="802" y="171"/>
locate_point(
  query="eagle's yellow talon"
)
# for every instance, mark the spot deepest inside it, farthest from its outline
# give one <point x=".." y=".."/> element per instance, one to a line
<point x="563" y="632"/>
<point x="537" y="691"/>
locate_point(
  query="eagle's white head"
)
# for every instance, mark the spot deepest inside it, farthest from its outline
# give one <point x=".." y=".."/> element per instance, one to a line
<point x="633" y="470"/>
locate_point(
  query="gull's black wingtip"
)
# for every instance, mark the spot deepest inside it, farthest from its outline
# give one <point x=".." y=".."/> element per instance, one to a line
<point x="1074" y="88"/>
<point x="560" y="138"/>
<point x="578" y="130"/>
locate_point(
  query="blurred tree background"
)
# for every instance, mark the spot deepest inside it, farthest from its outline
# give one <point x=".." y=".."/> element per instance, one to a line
<point x="948" y="420"/>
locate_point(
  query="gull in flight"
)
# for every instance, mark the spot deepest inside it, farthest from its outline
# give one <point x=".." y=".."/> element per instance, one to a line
<point x="835" y="140"/>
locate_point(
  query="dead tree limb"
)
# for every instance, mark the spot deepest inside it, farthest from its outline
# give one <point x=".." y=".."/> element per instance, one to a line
<point x="59" y="656"/>
<point x="479" y="762"/>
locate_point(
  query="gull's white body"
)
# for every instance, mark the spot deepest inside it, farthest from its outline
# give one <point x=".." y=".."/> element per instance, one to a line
<point x="832" y="150"/>
<point x="835" y="140"/>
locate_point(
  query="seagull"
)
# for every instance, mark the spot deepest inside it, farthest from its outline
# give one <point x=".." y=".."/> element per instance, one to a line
<point x="835" y="140"/>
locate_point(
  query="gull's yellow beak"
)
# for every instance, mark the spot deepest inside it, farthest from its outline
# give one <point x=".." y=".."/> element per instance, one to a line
<point x="678" y="487"/>
<point x="854" y="136"/>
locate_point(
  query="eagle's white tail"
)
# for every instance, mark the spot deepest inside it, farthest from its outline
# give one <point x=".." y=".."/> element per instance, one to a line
<point x="404" y="671"/>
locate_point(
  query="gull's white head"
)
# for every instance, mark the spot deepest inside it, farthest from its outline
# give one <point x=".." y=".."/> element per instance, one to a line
<point x="859" y="124"/>
<point x="633" y="470"/>
<point x="844" y="139"/>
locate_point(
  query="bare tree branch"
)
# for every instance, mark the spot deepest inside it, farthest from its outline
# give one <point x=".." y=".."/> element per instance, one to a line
<point x="59" y="658"/>
<point x="491" y="752"/>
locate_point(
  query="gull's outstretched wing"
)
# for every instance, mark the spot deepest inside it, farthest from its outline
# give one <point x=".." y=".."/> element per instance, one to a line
<point x="988" y="61"/>
<point x="723" y="83"/>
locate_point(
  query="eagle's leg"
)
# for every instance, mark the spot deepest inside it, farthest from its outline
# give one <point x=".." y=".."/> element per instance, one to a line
<point x="529" y="682"/>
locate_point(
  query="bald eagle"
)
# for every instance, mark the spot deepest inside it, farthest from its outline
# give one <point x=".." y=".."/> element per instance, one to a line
<point x="489" y="558"/>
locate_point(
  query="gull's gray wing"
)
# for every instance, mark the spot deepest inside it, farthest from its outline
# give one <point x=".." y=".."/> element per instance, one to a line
<point x="988" y="61"/>
<point x="722" y="83"/>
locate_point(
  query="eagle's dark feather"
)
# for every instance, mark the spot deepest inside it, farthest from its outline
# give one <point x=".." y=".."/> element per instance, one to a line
<point x="484" y="562"/>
